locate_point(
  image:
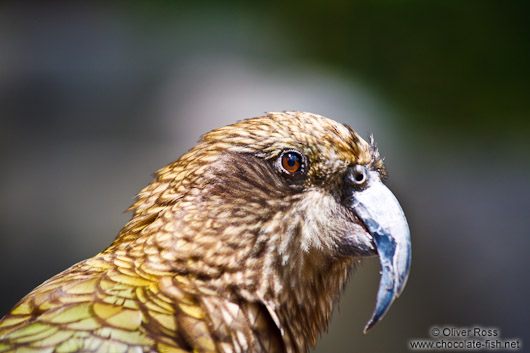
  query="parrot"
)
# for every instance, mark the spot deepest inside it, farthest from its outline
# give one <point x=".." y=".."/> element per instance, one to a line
<point x="243" y="244"/>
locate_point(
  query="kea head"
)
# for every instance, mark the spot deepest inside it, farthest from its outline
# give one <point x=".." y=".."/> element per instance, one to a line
<point x="275" y="209"/>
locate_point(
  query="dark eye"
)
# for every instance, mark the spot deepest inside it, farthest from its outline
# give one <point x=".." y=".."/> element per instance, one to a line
<point x="291" y="162"/>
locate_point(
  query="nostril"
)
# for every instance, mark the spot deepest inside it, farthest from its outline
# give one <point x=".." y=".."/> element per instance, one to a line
<point x="359" y="177"/>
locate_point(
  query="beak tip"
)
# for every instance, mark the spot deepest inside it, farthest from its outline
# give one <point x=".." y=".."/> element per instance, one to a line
<point x="391" y="286"/>
<point x="369" y="325"/>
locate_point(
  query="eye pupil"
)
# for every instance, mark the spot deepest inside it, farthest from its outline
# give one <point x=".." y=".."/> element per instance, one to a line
<point x="291" y="163"/>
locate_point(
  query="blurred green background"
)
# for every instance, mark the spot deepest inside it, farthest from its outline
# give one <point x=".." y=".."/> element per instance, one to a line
<point x="94" y="98"/>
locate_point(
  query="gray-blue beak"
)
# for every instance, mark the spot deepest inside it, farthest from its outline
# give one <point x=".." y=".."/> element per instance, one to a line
<point x="380" y="212"/>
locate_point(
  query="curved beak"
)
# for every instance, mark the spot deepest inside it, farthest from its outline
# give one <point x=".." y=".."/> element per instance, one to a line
<point x="380" y="212"/>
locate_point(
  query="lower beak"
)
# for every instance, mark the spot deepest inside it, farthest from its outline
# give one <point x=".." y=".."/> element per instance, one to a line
<point x="380" y="212"/>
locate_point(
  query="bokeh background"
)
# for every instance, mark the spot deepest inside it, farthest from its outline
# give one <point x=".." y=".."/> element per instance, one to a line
<point x="94" y="98"/>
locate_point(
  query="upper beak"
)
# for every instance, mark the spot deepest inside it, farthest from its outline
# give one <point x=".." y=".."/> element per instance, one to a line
<point x="380" y="212"/>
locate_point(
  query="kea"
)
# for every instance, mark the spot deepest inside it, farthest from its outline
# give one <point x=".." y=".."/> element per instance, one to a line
<point x="241" y="245"/>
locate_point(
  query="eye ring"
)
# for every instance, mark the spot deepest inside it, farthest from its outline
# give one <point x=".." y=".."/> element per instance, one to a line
<point x="292" y="163"/>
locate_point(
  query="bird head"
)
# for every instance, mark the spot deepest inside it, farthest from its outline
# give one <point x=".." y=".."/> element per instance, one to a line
<point x="276" y="209"/>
